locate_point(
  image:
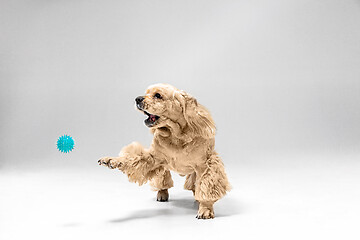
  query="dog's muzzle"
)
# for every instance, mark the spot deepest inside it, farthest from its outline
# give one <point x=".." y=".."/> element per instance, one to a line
<point x="140" y="103"/>
<point x="152" y="119"/>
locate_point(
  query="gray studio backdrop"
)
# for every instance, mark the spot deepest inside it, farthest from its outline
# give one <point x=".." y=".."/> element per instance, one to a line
<point x="280" y="77"/>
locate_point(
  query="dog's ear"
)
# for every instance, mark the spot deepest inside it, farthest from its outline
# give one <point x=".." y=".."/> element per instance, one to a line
<point x="197" y="116"/>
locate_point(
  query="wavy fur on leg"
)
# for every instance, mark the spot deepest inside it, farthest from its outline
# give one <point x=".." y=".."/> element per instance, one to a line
<point x="161" y="182"/>
<point x="138" y="164"/>
<point x="213" y="183"/>
<point x="190" y="182"/>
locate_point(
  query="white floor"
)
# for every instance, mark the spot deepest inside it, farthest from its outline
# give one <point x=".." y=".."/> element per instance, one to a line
<point x="308" y="199"/>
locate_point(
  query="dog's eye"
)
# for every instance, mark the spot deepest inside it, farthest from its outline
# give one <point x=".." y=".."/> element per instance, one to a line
<point x="157" y="95"/>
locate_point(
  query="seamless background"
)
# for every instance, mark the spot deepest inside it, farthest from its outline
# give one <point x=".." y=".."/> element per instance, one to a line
<point x="281" y="78"/>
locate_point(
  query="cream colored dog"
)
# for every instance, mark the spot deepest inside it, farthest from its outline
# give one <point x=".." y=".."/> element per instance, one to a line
<point x="184" y="139"/>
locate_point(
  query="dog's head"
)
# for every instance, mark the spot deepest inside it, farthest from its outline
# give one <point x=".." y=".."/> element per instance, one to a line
<point x="163" y="102"/>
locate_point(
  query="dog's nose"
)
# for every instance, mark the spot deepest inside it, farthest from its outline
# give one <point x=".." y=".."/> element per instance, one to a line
<point x="139" y="99"/>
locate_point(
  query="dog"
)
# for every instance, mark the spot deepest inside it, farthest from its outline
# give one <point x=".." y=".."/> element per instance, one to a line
<point x="184" y="141"/>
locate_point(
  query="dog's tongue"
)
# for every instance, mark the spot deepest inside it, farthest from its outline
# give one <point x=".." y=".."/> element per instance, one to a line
<point x="152" y="118"/>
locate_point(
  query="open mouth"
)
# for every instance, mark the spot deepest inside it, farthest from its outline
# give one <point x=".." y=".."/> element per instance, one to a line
<point x="151" y="120"/>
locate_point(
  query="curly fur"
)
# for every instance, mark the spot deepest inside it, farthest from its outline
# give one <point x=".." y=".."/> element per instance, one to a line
<point x="184" y="140"/>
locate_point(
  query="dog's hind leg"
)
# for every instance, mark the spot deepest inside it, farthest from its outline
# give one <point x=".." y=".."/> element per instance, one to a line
<point x="162" y="183"/>
<point x="211" y="185"/>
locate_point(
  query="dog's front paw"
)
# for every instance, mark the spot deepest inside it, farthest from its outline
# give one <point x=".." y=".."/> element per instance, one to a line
<point x="162" y="195"/>
<point x="110" y="162"/>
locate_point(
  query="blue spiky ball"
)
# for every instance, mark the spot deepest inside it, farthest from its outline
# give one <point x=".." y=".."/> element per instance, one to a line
<point x="65" y="144"/>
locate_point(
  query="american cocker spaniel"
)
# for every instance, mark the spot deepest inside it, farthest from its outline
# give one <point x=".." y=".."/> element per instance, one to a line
<point x="184" y="140"/>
